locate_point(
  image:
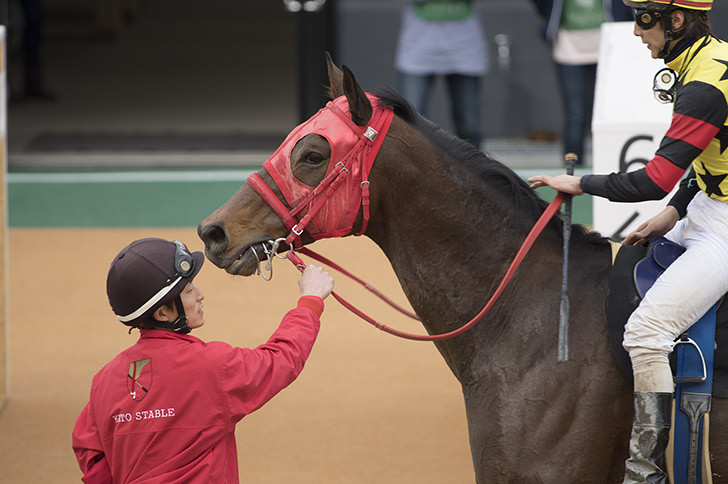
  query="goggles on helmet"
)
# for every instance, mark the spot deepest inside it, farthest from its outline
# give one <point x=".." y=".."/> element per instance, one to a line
<point x="646" y="19"/>
<point x="184" y="264"/>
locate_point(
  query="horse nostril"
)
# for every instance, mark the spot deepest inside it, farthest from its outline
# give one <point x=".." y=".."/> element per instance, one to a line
<point x="214" y="236"/>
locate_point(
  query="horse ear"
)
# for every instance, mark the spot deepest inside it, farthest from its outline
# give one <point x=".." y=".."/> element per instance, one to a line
<point x="359" y="105"/>
<point x="335" y="78"/>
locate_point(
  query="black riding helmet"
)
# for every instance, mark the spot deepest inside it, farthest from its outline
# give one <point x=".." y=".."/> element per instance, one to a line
<point x="147" y="274"/>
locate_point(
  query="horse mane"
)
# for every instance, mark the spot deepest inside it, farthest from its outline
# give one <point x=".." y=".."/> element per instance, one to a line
<point x="511" y="187"/>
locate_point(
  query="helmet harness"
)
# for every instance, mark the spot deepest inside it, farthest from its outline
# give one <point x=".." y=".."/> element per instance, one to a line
<point x="184" y="264"/>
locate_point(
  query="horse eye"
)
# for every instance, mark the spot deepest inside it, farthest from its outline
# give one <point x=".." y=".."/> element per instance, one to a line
<point x="314" y="158"/>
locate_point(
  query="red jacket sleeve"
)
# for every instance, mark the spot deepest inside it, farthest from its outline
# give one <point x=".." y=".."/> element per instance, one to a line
<point x="253" y="376"/>
<point x="88" y="450"/>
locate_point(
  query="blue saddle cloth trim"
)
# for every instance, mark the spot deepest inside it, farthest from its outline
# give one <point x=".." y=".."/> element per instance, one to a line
<point x="689" y="363"/>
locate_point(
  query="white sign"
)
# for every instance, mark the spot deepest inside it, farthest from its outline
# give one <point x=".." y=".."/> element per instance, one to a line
<point x="628" y="123"/>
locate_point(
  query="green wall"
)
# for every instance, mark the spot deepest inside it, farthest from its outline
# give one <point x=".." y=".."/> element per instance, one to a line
<point x="141" y="199"/>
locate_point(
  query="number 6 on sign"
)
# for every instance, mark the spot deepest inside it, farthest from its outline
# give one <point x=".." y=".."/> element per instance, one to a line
<point x="632" y="151"/>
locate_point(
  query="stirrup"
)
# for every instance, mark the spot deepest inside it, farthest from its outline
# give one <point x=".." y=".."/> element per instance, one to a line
<point x="684" y="339"/>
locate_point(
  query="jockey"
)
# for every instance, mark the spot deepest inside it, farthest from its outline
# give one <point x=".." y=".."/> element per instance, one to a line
<point x="677" y="31"/>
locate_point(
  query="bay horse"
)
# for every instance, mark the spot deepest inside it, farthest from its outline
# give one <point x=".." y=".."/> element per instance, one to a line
<point x="450" y="220"/>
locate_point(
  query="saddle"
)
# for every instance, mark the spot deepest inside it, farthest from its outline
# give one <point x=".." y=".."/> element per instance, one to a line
<point x="632" y="274"/>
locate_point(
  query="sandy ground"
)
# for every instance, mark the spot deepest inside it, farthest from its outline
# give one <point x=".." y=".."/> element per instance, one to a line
<point x="368" y="408"/>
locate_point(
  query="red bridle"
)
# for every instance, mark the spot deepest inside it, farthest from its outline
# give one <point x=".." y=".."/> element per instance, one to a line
<point x="331" y="208"/>
<point x="325" y="211"/>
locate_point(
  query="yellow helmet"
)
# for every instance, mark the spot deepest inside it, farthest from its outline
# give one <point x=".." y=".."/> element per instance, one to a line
<point x="689" y="4"/>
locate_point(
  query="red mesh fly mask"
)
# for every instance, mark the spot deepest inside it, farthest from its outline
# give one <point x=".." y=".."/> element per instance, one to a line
<point x="329" y="209"/>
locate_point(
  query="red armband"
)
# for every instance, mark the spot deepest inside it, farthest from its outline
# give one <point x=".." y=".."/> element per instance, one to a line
<point x="314" y="303"/>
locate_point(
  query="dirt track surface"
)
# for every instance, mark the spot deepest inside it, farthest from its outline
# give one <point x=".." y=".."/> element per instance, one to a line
<point x="368" y="407"/>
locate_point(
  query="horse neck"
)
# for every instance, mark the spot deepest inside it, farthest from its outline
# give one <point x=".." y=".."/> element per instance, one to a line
<point x="450" y="242"/>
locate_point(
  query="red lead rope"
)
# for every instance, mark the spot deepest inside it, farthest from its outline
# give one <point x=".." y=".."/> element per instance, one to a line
<point x="525" y="247"/>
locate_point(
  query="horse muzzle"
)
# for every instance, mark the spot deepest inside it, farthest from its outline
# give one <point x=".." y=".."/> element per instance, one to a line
<point x="242" y="260"/>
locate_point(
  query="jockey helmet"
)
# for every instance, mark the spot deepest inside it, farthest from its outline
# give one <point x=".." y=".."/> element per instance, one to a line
<point x="660" y="4"/>
<point x="147" y="274"/>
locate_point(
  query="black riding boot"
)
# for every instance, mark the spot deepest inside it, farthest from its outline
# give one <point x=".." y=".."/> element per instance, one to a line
<point x="650" y="435"/>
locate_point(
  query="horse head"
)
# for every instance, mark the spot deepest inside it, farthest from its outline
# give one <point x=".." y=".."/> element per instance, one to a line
<point x="315" y="185"/>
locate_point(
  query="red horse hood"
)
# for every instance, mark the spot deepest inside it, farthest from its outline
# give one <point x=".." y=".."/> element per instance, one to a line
<point x="353" y="149"/>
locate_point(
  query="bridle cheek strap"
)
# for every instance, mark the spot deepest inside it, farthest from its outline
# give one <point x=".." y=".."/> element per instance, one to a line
<point x="338" y="220"/>
<point x="364" y="207"/>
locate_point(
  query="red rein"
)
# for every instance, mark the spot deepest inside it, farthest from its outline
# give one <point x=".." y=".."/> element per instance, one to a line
<point x="525" y="247"/>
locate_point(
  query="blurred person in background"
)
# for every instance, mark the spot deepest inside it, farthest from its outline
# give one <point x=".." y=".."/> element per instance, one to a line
<point x="443" y="38"/>
<point x="572" y="29"/>
<point x="34" y="76"/>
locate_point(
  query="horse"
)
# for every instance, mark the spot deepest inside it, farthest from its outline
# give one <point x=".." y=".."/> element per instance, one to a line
<point x="450" y="219"/>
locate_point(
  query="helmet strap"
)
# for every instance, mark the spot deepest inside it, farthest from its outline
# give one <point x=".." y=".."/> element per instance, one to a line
<point x="669" y="33"/>
<point x="667" y="23"/>
<point x="179" y="325"/>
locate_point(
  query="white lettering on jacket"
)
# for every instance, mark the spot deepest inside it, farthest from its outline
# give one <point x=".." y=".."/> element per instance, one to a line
<point x="156" y="413"/>
<point x="144" y="415"/>
<point x="122" y="417"/>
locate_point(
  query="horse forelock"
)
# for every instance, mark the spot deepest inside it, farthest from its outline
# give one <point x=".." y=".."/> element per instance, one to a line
<point x="497" y="176"/>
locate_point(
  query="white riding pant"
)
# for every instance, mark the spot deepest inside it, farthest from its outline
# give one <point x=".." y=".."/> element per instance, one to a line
<point x="681" y="295"/>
